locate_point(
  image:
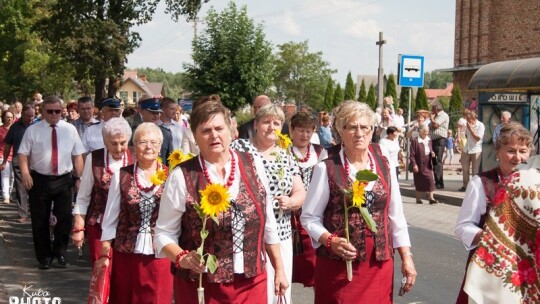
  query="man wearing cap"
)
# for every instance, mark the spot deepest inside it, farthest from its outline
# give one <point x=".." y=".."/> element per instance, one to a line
<point x="50" y="150"/>
<point x="246" y="129"/>
<point x="93" y="139"/>
<point x="150" y="109"/>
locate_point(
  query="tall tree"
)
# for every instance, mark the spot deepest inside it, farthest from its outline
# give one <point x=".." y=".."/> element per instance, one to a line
<point x="299" y="75"/>
<point x="371" y="99"/>
<point x="329" y="95"/>
<point x="421" y="101"/>
<point x="456" y="107"/>
<point x="391" y="90"/>
<point x="230" y="57"/>
<point x="350" y="90"/>
<point x="404" y="102"/>
<point x="362" y="94"/>
<point x="437" y="80"/>
<point x="338" y="96"/>
<point x="96" y="36"/>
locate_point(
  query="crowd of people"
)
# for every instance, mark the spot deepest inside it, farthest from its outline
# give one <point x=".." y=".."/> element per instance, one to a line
<point x="278" y="214"/>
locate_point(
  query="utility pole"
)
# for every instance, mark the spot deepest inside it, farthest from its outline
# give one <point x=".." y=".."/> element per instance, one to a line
<point x="380" y="89"/>
<point x="195" y="22"/>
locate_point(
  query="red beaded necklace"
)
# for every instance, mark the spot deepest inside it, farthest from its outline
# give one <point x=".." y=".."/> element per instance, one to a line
<point x="108" y="168"/>
<point x="346" y="163"/>
<point x="305" y="159"/>
<point x="143" y="189"/>
<point x="230" y="180"/>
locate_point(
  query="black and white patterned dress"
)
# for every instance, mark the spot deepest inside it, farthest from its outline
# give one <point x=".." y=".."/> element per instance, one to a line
<point x="280" y="173"/>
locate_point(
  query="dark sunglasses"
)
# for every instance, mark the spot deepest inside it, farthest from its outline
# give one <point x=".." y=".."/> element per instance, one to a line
<point x="54" y="111"/>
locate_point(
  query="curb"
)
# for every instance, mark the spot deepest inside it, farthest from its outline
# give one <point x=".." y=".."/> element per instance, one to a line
<point x="443" y="198"/>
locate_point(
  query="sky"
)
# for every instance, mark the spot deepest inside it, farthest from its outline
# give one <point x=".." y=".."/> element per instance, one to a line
<point x="345" y="31"/>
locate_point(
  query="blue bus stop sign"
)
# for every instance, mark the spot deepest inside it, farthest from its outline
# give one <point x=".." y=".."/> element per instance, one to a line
<point x="410" y="71"/>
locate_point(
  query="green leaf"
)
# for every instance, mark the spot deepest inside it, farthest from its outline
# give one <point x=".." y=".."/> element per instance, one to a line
<point x="368" y="219"/>
<point x="200" y="251"/>
<point x="197" y="207"/>
<point x="366" y="176"/>
<point x="215" y="219"/>
<point x="211" y="263"/>
<point x="347" y="192"/>
<point x="204" y="234"/>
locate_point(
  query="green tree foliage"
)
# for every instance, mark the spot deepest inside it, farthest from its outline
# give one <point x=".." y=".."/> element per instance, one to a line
<point x="371" y="98"/>
<point x="362" y="94"/>
<point x="173" y="83"/>
<point x="329" y="95"/>
<point x="350" y="90"/>
<point x="338" y="96"/>
<point x="299" y="75"/>
<point x="456" y="107"/>
<point x="421" y="101"/>
<point x="231" y="58"/>
<point x="96" y="36"/>
<point x="437" y="80"/>
<point x="391" y="90"/>
<point x="404" y="103"/>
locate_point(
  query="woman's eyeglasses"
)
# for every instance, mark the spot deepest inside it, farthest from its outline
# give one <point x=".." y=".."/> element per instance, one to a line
<point x="355" y="128"/>
<point x="53" y="111"/>
<point x="151" y="143"/>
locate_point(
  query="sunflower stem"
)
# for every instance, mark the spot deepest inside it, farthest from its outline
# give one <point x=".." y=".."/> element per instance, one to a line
<point x="348" y="264"/>
<point x="202" y="249"/>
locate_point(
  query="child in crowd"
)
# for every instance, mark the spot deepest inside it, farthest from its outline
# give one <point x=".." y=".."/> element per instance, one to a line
<point x="449" y="148"/>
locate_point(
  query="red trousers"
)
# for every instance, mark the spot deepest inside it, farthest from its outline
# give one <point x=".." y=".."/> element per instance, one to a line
<point x="141" y="279"/>
<point x="241" y="290"/>
<point x="93" y="233"/>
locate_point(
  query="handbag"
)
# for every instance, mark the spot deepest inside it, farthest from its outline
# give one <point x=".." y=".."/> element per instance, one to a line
<point x="298" y="248"/>
<point x="434" y="160"/>
<point x="100" y="283"/>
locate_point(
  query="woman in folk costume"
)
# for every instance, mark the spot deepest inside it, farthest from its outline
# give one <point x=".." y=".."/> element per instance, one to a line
<point x="323" y="216"/>
<point x="245" y="229"/>
<point x="421" y="152"/>
<point x="307" y="155"/>
<point x="285" y="184"/>
<point x="482" y="194"/>
<point x="95" y="182"/>
<point x="128" y="226"/>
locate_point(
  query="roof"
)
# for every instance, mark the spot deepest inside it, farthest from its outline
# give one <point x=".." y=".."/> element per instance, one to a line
<point x="521" y="74"/>
<point x="130" y="73"/>
<point x="435" y="93"/>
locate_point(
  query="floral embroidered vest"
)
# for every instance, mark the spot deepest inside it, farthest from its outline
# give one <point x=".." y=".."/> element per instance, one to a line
<point x="129" y="218"/>
<point x="250" y="200"/>
<point x="334" y="215"/>
<point x="100" y="190"/>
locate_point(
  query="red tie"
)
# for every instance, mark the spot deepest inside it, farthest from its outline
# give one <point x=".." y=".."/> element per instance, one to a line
<point x="54" y="156"/>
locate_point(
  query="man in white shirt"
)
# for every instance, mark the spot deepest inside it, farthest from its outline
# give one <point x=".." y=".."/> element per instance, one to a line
<point x="50" y="150"/>
<point x="169" y="108"/>
<point x="472" y="151"/>
<point x="93" y="138"/>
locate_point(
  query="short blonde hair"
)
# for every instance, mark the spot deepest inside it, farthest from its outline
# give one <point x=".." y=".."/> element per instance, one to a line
<point x="270" y="110"/>
<point x="147" y="127"/>
<point x="351" y="110"/>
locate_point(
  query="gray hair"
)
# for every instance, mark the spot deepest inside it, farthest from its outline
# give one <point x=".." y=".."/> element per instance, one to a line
<point x="147" y="127"/>
<point x="436" y="106"/>
<point x="270" y="110"/>
<point x="506" y="114"/>
<point x="422" y="127"/>
<point x="350" y="110"/>
<point x="116" y="126"/>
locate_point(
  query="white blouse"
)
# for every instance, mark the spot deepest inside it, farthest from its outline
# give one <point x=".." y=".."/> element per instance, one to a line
<point x="173" y="205"/>
<point x="144" y="244"/>
<point x="473" y="207"/>
<point x="319" y="194"/>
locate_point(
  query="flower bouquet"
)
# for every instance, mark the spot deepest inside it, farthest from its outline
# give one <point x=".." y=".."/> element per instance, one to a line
<point x="357" y="194"/>
<point x="215" y="198"/>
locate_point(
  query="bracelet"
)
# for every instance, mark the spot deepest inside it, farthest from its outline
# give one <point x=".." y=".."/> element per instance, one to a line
<point x="329" y="240"/>
<point x="179" y="257"/>
<point x="105" y="256"/>
<point x="78" y="230"/>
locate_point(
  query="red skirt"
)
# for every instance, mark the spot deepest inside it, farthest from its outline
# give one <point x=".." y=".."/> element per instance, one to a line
<point x="304" y="263"/>
<point x="241" y="290"/>
<point x="93" y="232"/>
<point x="140" y="279"/>
<point x="372" y="280"/>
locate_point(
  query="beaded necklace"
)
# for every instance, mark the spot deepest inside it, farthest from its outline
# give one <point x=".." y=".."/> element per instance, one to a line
<point x="143" y="189"/>
<point x="305" y="159"/>
<point x="230" y="180"/>
<point x="346" y="163"/>
<point x="108" y="168"/>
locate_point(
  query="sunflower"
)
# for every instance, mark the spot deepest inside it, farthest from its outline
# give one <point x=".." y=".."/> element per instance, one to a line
<point x="176" y="157"/>
<point x="159" y="177"/>
<point x="283" y="140"/>
<point x="359" y="189"/>
<point x="214" y="199"/>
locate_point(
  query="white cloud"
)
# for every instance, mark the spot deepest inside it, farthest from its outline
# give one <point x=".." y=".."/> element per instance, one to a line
<point x="285" y="22"/>
<point x="364" y="29"/>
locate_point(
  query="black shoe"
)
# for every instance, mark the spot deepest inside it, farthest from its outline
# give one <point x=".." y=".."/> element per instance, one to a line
<point x="462" y="189"/>
<point x="439" y="187"/>
<point x="44" y="265"/>
<point x="433" y="202"/>
<point x="419" y="202"/>
<point x="62" y="262"/>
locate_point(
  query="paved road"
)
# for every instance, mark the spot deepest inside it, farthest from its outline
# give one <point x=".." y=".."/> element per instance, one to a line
<point x="439" y="260"/>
